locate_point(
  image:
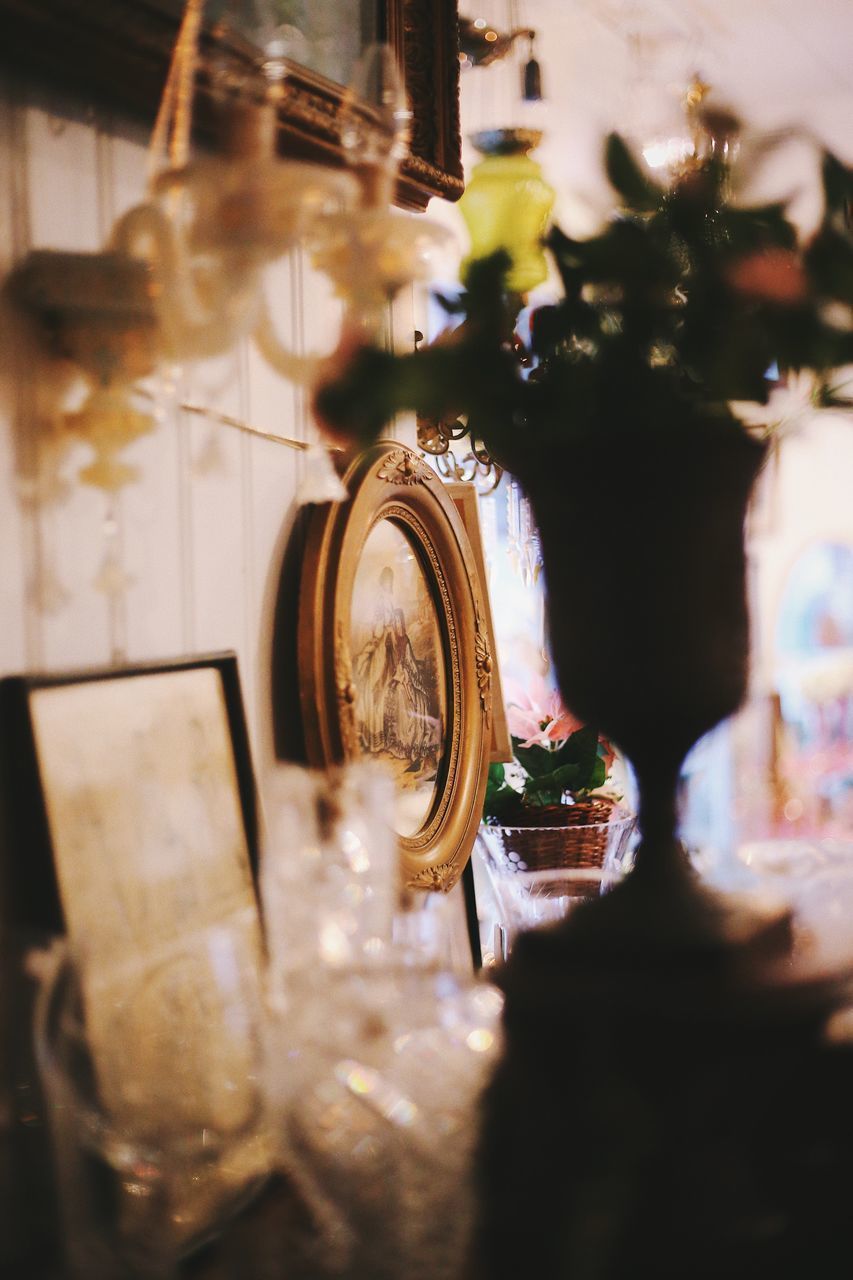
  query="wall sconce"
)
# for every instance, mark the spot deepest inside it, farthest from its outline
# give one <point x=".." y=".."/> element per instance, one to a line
<point x="481" y="44"/>
<point x="97" y="311"/>
<point x="182" y="276"/>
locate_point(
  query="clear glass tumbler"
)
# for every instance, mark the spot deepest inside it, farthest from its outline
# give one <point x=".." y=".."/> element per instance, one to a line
<point x="153" y="1079"/>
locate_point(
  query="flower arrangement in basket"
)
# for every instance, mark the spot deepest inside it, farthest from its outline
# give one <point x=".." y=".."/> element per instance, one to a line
<point x="546" y="794"/>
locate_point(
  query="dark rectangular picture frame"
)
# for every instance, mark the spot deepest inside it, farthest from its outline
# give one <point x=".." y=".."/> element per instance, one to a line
<point x="31" y="900"/>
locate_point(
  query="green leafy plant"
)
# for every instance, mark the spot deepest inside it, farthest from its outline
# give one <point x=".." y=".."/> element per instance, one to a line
<point x="556" y="759"/>
<point x="684" y="301"/>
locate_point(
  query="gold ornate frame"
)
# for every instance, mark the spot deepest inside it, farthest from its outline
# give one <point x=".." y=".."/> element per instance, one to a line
<point x="116" y="52"/>
<point x="390" y="482"/>
<point x="465" y="499"/>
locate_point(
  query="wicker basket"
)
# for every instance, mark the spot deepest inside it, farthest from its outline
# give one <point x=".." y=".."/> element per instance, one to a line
<point x="573" y="853"/>
<point x="565" y="836"/>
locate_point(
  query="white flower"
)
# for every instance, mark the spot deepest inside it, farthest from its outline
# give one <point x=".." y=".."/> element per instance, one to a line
<point x="788" y="408"/>
<point x="320" y="482"/>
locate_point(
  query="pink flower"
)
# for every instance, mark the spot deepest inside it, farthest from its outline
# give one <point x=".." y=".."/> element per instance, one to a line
<point x="536" y="714"/>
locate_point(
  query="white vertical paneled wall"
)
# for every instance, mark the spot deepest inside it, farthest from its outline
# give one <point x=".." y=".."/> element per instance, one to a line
<point x="201" y="531"/>
<point x="16" y="551"/>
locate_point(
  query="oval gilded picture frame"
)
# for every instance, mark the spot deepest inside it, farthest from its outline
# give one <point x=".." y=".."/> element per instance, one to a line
<point x="395" y="654"/>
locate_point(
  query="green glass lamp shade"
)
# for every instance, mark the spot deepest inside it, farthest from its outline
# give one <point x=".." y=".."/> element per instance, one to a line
<point x="507" y="204"/>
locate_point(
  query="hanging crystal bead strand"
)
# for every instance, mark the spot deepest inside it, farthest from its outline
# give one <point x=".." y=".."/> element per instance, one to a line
<point x="525" y="551"/>
<point x="112" y="580"/>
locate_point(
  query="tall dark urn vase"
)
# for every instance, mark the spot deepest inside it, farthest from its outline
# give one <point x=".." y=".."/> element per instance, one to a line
<point x="664" y="1080"/>
<point x="645" y="574"/>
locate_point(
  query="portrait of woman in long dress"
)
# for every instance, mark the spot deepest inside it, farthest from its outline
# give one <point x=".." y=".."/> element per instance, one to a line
<point x="397" y="662"/>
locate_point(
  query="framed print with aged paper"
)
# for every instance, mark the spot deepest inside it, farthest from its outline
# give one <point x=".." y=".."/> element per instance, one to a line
<point x="131" y="786"/>
<point x="129" y="814"/>
<point x="395" y="658"/>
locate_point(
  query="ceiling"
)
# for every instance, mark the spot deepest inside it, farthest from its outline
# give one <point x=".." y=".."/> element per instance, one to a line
<point x="766" y="56"/>
<point x="624" y="64"/>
